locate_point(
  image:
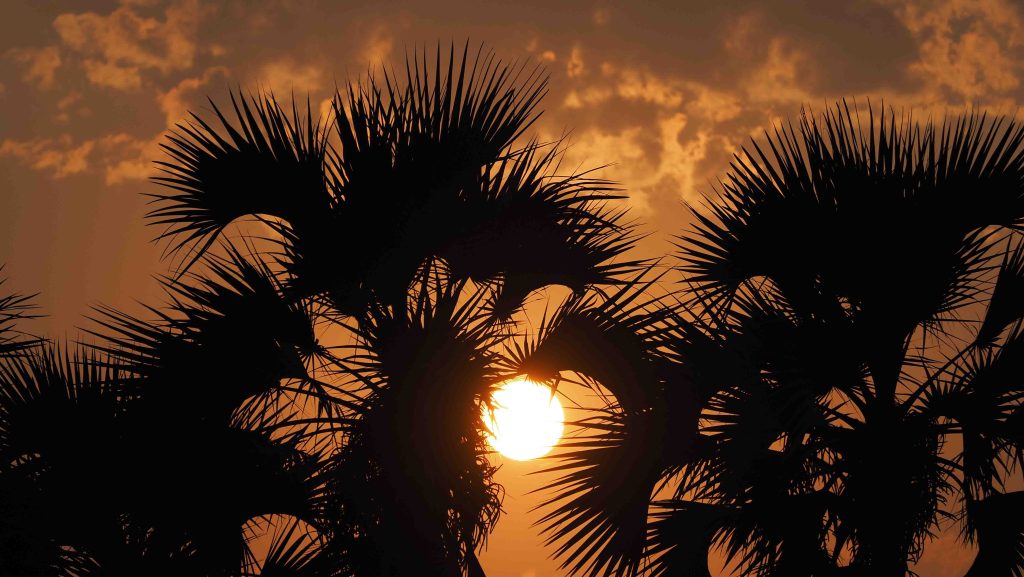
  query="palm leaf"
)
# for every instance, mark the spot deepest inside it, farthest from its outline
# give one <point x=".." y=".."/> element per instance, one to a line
<point x="997" y="528"/>
<point x="13" y="308"/>
<point x="264" y="162"/>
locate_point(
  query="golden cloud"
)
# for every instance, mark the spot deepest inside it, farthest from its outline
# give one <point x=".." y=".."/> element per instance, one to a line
<point x="971" y="48"/>
<point x="287" y="75"/>
<point x="575" y="67"/>
<point x="178" y="100"/>
<point x="60" y="156"/>
<point x="119" y="46"/>
<point x="41" y="64"/>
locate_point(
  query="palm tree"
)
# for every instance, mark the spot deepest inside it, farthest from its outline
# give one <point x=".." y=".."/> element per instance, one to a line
<point x="324" y="389"/>
<point x="840" y="381"/>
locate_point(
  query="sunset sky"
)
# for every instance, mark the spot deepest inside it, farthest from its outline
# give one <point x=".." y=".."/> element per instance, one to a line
<point x="665" y="92"/>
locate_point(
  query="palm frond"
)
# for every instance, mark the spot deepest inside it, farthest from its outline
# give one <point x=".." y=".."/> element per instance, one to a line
<point x="798" y="212"/>
<point x="64" y="458"/>
<point x="598" y="514"/>
<point x="265" y="161"/>
<point x="1006" y="305"/>
<point x="414" y="469"/>
<point x="294" y="551"/>
<point x="681" y="536"/>
<point x="13" y="308"/>
<point x="996" y="526"/>
<point x="237" y="323"/>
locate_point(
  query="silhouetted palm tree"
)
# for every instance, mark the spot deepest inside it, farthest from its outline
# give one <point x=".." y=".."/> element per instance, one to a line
<point x="842" y="375"/>
<point x="327" y="389"/>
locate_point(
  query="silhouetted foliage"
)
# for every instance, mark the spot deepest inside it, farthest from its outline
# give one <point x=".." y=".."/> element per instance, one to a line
<point x="840" y="376"/>
<point x="321" y="394"/>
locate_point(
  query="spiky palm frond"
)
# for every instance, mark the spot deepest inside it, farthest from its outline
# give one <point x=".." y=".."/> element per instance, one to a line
<point x="981" y="398"/>
<point x="832" y="246"/>
<point x="997" y="529"/>
<point x="437" y="128"/>
<point x="1006" y="305"/>
<point x="681" y="537"/>
<point x="13" y="308"/>
<point x="414" y="472"/>
<point x="871" y="215"/>
<point x="294" y="550"/>
<point x="64" y="460"/>
<point x="237" y="324"/>
<point x="264" y="162"/>
<point x="528" y="227"/>
<point x="597" y="516"/>
<point x="217" y="430"/>
<point x="425" y="167"/>
<point x="597" y="513"/>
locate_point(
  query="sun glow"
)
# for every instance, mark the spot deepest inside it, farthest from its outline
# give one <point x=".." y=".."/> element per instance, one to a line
<point x="526" y="421"/>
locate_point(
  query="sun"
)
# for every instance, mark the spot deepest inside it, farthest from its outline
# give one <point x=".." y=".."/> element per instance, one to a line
<point x="526" y="422"/>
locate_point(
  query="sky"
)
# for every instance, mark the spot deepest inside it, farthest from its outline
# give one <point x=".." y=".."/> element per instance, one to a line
<point x="660" y="93"/>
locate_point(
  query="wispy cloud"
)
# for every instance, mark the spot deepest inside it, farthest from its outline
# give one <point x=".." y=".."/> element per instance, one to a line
<point x="119" y="47"/>
<point x="40" y="64"/>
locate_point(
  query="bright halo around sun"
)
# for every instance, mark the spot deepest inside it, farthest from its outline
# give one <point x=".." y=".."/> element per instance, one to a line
<point x="526" y="422"/>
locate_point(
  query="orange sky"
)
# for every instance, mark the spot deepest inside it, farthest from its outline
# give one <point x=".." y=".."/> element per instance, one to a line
<point x="666" y="91"/>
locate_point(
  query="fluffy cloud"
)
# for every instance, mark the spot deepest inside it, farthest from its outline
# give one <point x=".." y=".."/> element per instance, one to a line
<point x="60" y="156"/>
<point x="575" y="66"/>
<point x="118" y="47"/>
<point x="970" y="48"/>
<point x="287" y="75"/>
<point x="40" y="64"/>
<point x="778" y="78"/>
<point x="378" y="46"/>
<point x="130" y="158"/>
<point x="178" y="100"/>
<point x="120" y="157"/>
<point x="65" y="104"/>
<point x="664" y="163"/>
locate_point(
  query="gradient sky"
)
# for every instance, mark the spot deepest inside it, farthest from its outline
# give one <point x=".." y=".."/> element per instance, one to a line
<point x="665" y="92"/>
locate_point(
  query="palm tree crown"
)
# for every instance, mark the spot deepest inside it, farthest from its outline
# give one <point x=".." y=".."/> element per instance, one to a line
<point x="838" y="380"/>
<point x="840" y="377"/>
<point x="318" y="383"/>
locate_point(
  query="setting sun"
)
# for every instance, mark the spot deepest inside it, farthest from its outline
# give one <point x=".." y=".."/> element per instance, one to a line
<point x="526" y="421"/>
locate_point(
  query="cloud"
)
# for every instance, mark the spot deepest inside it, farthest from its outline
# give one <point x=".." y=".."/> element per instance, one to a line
<point x="665" y="163"/>
<point x="628" y="84"/>
<point x="378" y="47"/>
<point x="177" y="101"/>
<point x="110" y="75"/>
<point x="645" y="87"/>
<point x="533" y="47"/>
<point x="130" y="158"/>
<point x="60" y="156"/>
<point x="121" y="156"/>
<point x="575" y="67"/>
<point x="64" y="105"/>
<point x="624" y="149"/>
<point x="41" y="64"/>
<point x="781" y="76"/>
<point x="676" y="126"/>
<point x="117" y="48"/>
<point x="971" y="49"/>
<point x="287" y="75"/>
